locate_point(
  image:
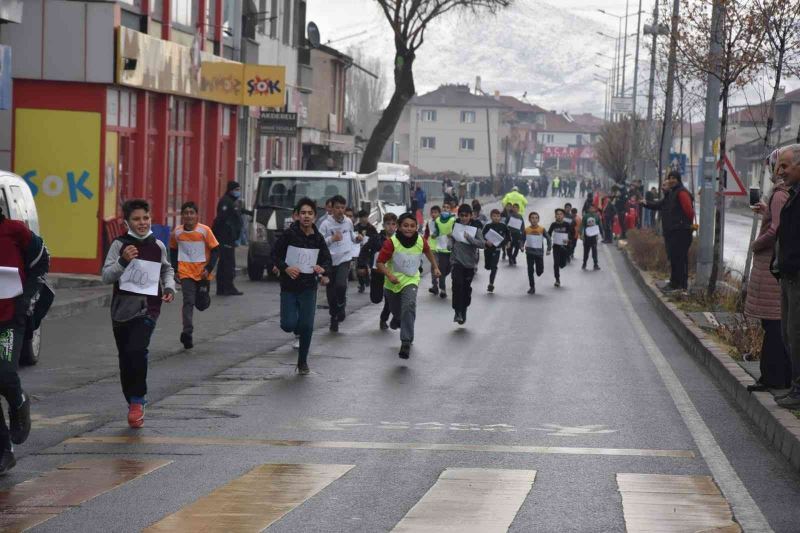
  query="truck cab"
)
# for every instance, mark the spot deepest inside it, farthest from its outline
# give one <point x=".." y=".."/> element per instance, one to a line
<point x="277" y="194"/>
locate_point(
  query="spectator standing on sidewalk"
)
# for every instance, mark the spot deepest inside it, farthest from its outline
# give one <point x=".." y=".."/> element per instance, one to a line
<point x="764" y="293"/>
<point x="677" y="216"/>
<point x="24" y="251"/>
<point x="786" y="265"/>
<point x="228" y="227"/>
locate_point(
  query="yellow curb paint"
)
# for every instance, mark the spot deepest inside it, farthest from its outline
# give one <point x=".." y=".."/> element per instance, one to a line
<point x="414" y="446"/>
<point x="253" y="501"/>
<point x="470" y="500"/>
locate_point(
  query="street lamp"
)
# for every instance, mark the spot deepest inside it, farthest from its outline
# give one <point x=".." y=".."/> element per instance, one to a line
<point x="619" y="18"/>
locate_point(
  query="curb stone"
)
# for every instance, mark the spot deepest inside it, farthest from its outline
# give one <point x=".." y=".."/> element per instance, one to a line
<point x="779" y="426"/>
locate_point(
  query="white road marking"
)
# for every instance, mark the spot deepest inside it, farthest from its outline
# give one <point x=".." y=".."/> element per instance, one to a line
<point x="745" y="509"/>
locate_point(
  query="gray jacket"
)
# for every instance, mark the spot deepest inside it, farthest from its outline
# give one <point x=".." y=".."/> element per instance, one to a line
<point x="466" y="253"/>
<point x="126" y="306"/>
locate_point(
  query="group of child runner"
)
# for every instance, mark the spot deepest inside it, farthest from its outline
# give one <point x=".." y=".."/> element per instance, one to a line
<point x="315" y="252"/>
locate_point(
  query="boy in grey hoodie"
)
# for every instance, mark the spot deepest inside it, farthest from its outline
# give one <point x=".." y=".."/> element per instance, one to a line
<point x="464" y="261"/>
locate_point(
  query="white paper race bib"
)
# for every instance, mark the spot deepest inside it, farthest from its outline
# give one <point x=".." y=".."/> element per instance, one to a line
<point x="441" y="242"/>
<point x="493" y="237"/>
<point x="141" y="277"/>
<point x="10" y="283"/>
<point x="568" y="220"/>
<point x="560" y="239"/>
<point x="460" y="230"/>
<point x="406" y="263"/>
<point x="515" y="223"/>
<point x="192" y="251"/>
<point x="535" y="242"/>
<point x="592" y="231"/>
<point x="302" y="258"/>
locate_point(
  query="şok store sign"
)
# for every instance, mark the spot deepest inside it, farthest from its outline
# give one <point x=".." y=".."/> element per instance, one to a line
<point x="163" y="66"/>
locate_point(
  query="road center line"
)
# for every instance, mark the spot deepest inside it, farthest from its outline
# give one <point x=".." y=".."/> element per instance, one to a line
<point x="745" y="509"/>
<point x="414" y="446"/>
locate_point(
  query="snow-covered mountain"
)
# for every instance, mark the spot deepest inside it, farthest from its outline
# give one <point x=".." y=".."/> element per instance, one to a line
<point x="534" y="46"/>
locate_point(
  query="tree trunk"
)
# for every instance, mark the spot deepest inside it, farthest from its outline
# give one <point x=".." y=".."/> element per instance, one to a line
<point x="403" y="92"/>
<point x="718" y="221"/>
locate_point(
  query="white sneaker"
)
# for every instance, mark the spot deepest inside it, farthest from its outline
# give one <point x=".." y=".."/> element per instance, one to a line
<point x="296" y="343"/>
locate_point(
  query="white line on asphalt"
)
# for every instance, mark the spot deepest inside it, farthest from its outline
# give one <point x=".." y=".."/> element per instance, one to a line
<point x="745" y="509"/>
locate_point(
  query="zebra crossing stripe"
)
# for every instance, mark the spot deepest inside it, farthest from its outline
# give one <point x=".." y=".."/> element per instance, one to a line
<point x="663" y="503"/>
<point x="32" y="502"/>
<point x="482" y="500"/>
<point x="253" y="501"/>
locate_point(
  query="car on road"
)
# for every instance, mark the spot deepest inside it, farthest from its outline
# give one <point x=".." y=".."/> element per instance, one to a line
<point x="17" y="202"/>
<point x="278" y="192"/>
<point x="394" y="188"/>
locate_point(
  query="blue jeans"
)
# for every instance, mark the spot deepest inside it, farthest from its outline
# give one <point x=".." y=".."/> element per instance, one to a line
<point x="297" y="316"/>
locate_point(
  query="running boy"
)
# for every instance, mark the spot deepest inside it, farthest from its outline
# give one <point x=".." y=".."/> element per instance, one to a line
<point x="193" y="253"/>
<point x="369" y="260"/>
<point x="516" y="224"/>
<point x="430" y="228"/>
<point x="138" y="265"/>
<point x="559" y="233"/>
<point x="443" y="228"/>
<point x="535" y="236"/>
<point x="368" y="232"/>
<point x="302" y="257"/>
<point x="399" y="260"/>
<point x="339" y="235"/>
<point x="591" y="230"/>
<point x="491" y="254"/>
<point x="464" y="261"/>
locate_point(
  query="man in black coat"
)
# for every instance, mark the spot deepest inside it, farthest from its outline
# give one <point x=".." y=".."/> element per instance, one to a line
<point x="228" y="228"/>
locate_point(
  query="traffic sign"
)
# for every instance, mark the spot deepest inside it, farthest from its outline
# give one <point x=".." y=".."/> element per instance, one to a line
<point x="733" y="184"/>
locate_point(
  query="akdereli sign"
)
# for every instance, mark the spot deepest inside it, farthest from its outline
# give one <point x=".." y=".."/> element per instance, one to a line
<point x="278" y="124"/>
<point x="163" y="66"/>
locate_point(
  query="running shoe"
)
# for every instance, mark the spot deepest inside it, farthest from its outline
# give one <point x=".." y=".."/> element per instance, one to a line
<point x="20" y="423"/>
<point x="136" y="415"/>
<point x="405" y="350"/>
<point x="302" y="369"/>
<point x="296" y="343"/>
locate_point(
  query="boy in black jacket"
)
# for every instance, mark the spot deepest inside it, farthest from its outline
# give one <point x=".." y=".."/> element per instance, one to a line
<point x="368" y="260"/>
<point x="303" y="259"/>
<point x="491" y="254"/>
<point x="365" y="229"/>
<point x="559" y="235"/>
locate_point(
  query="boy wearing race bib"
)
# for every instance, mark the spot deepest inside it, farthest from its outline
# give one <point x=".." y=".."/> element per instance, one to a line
<point x="430" y="228"/>
<point x="302" y="258"/>
<point x="591" y="230"/>
<point x="194" y="251"/>
<point x="535" y="237"/>
<point x="138" y="265"/>
<point x="399" y="260"/>
<point x="369" y="260"/>
<point x="443" y="228"/>
<point x="516" y="224"/>
<point x="465" y="261"/>
<point x="491" y="254"/>
<point x="559" y="233"/>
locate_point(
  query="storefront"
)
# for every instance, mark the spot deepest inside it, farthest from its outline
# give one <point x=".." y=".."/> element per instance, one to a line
<point x="165" y="131"/>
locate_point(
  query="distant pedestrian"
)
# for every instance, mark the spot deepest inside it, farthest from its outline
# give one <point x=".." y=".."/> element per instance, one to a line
<point x="400" y="260"/>
<point x="491" y="254"/>
<point x="24" y="252"/>
<point x="194" y="252"/>
<point x="227" y="227"/>
<point x="786" y="264"/>
<point x="421" y="199"/>
<point x="302" y="257"/>
<point x="559" y="235"/>
<point x="763" y="300"/>
<point x="138" y="265"/>
<point x="535" y="238"/>
<point x="464" y="261"/>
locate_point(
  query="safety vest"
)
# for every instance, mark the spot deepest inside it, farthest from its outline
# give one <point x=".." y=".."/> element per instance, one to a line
<point x="404" y="265"/>
<point x="443" y="229"/>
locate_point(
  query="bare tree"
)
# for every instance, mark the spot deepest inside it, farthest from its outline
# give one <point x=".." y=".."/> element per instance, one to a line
<point x="409" y="19"/>
<point x="365" y="93"/>
<point x="614" y="145"/>
<point x="781" y="20"/>
<point x="742" y="35"/>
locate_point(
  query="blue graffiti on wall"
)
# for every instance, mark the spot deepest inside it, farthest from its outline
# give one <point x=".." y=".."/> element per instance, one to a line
<point x="54" y="185"/>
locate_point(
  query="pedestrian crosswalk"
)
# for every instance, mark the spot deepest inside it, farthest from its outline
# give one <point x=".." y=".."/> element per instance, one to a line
<point x="461" y="500"/>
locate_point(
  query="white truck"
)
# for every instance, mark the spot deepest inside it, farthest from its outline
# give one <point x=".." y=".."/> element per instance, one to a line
<point x="394" y="187"/>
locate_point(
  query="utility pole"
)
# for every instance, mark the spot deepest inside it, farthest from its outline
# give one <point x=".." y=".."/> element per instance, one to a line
<point x="631" y="159"/>
<point x="625" y="49"/>
<point x="705" y="254"/>
<point x="651" y="132"/>
<point x="666" y="136"/>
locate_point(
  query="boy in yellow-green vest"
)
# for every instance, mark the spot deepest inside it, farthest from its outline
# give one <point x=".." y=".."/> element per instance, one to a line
<point x="400" y="260"/>
<point x="443" y="228"/>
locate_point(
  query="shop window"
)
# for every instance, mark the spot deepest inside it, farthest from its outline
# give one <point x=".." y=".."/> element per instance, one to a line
<point x="179" y="144"/>
<point x="181" y="11"/>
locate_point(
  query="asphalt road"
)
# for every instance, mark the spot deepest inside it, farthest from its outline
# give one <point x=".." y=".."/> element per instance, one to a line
<point x="579" y="384"/>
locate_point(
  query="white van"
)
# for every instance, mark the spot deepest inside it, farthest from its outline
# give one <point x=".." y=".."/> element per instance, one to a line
<point x="16" y="200"/>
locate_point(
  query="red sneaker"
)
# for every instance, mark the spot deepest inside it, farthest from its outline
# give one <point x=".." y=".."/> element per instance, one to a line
<point x="136" y="415"/>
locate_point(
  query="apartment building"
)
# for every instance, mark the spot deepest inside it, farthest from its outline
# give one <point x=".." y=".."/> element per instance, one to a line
<point x="566" y="143"/>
